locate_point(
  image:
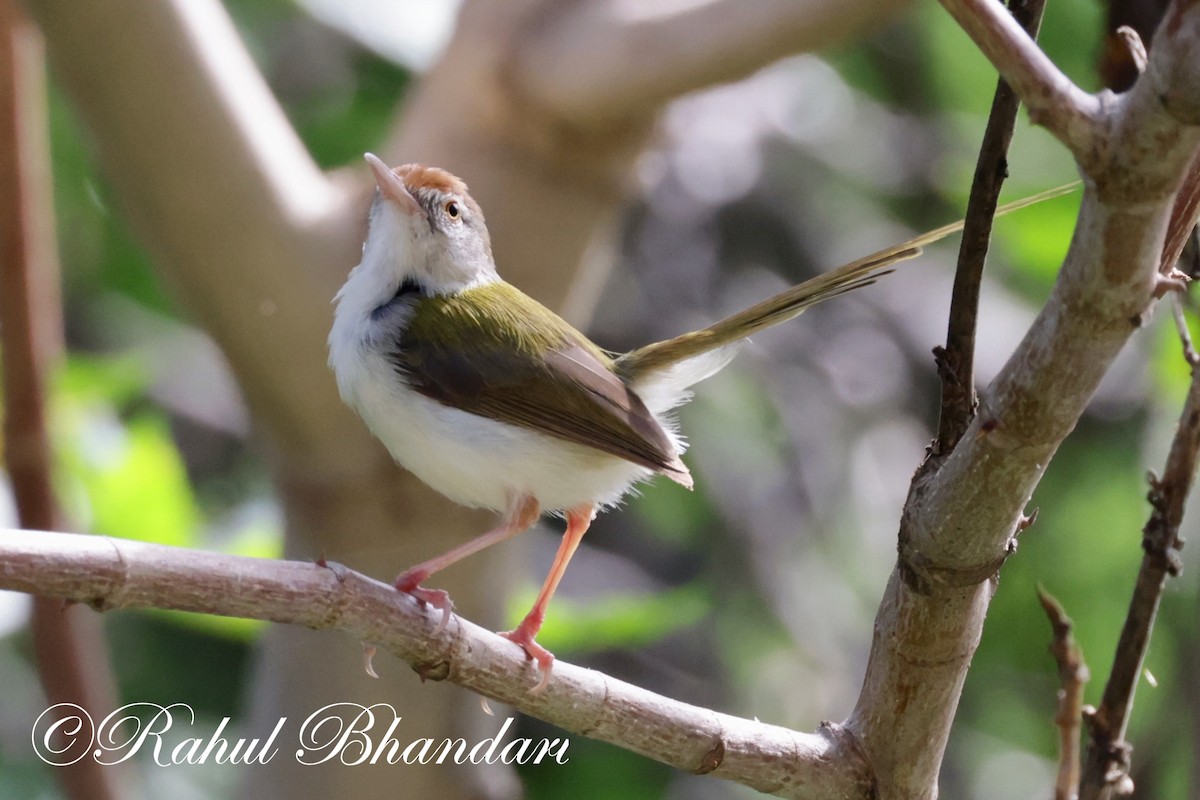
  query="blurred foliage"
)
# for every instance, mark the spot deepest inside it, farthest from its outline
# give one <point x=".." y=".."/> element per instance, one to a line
<point x="711" y="597"/>
<point x="128" y="473"/>
<point x="340" y="97"/>
<point x="614" y="621"/>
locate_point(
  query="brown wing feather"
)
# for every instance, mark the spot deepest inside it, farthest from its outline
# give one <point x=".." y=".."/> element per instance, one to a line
<point x="568" y="393"/>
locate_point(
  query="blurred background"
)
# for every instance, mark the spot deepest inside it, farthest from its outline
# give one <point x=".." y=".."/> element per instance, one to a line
<point x="756" y="594"/>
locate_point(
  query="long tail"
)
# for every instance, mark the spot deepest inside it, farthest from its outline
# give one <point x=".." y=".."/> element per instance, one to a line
<point x="792" y="302"/>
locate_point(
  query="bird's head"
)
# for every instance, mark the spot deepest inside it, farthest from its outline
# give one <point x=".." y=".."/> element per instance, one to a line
<point x="427" y="227"/>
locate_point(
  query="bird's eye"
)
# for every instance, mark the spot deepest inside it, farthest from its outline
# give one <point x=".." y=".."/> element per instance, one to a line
<point x="452" y="209"/>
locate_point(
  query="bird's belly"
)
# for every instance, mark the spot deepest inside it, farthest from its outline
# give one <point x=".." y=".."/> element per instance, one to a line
<point x="480" y="462"/>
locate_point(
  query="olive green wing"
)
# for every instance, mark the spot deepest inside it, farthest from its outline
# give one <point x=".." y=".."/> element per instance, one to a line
<point x="544" y="376"/>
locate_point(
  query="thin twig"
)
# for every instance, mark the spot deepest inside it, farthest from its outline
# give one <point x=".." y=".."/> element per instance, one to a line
<point x="1185" y="335"/>
<point x="69" y="648"/>
<point x="956" y="362"/>
<point x="1106" y="766"/>
<point x="111" y="573"/>
<point x="1073" y="677"/>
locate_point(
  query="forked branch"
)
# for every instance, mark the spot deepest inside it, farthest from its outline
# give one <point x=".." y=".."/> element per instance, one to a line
<point x="960" y="522"/>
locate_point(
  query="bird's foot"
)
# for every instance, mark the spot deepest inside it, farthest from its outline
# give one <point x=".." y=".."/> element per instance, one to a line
<point x="523" y="635"/>
<point x="410" y="583"/>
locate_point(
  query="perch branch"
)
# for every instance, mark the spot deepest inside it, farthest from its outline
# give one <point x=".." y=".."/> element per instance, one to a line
<point x="1073" y="677"/>
<point x="111" y="573"/>
<point x="1108" y="754"/>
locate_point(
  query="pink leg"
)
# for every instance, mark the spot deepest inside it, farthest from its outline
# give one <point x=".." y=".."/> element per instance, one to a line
<point x="521" y="514"/>
<point x="578" y="520"/>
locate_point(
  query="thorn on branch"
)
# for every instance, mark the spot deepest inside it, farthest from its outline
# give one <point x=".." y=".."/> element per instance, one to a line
<point x="339" y="570"/>
<point x="1137" y="48"/>
<point x="1154" y="496"/>
<point x="1026" y="521"/>
<point x="369" y="651"/>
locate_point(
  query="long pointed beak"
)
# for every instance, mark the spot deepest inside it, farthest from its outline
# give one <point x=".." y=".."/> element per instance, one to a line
<point x="391" y="187"/>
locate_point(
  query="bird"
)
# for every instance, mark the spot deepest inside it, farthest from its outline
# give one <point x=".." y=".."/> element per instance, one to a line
<point x="495" y="401"/>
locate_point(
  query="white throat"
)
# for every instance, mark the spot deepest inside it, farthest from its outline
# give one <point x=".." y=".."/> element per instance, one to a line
<point x="398" y="248"/>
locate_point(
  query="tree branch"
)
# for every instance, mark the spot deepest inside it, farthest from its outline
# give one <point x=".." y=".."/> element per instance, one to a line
<point x="111" y="573"/>
<point x="1073" y="677"/>
<point x="70" y="651"/>
<point x="960" y="523"/>
<point x="956" y="362"/>
<point x="592" y="64"/>
<point x="1108" y="754"/>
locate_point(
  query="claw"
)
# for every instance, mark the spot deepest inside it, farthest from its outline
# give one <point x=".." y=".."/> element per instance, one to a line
<point x="410" y="583"/>
<point x="543" y="658"/>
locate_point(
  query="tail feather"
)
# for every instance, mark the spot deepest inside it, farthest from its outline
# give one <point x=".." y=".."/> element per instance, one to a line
<point x="789" y="304"/>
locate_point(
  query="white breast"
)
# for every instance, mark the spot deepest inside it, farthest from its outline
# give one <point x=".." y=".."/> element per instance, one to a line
<point x="473" y="460"/>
